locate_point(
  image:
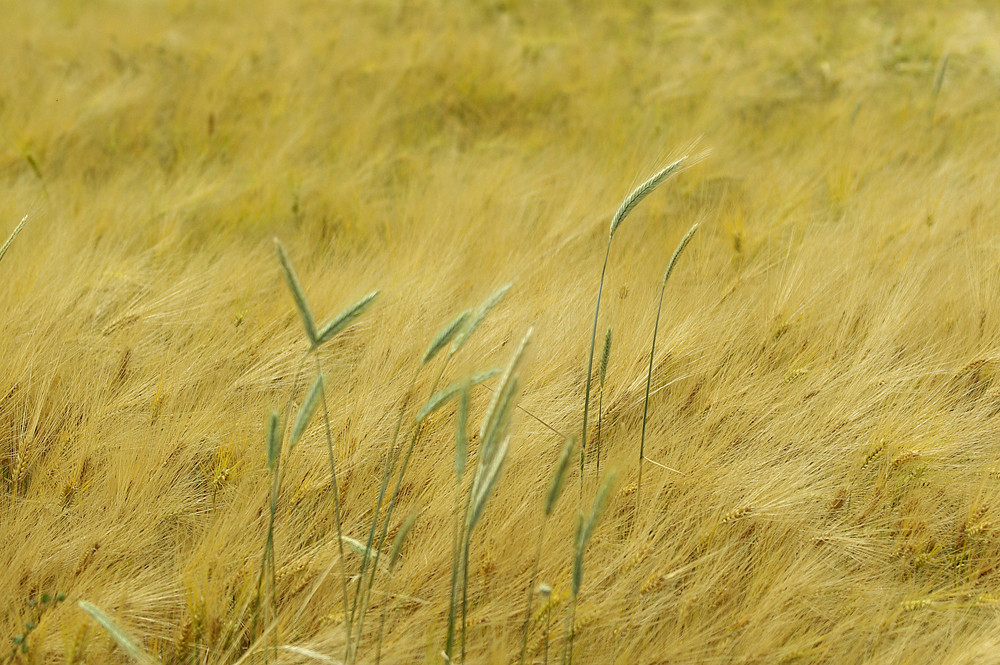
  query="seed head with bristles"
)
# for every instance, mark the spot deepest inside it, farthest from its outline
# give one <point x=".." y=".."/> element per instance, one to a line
<point x="605" y="355"/>
<point x="641" y="192"/>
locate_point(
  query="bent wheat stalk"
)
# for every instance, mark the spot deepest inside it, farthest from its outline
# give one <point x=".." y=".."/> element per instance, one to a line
<point x="630" y="202"/>
<point x="649" y="376"/>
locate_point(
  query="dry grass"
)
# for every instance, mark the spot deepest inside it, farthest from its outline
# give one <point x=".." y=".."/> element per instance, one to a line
<point x="827" y="369"/>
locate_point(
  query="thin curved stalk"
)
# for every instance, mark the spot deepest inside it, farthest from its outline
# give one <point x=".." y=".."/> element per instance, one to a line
<point x="652" y="351"/>
<point x="590" y="363"/>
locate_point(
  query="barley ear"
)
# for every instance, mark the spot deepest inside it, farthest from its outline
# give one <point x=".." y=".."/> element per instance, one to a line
<point x="359" y="548"/>
<point x="397" y="543"/>
<point x="17" y="229"/>
<point x="486" y="482"/>
<point x="499" y="422"/>
<point x="440" y="398"/>
<point x="600" y="503"/>
<point x="445" y="336"/>
<point x="605" y="355"/>
<point x="498" y="394"/>
<point x="306" y="412"/>
<point x="297" y="293"/>
<point x="481" y="312"/>
<point x="462" y="434"/>
<point x="345" y="318"/>
<point x="641" y="192"/>
<point x="677" y="253"/>
<point x="578" y="556"/>
<point x="273" y="442"/>
<point x="559" y="477"/>
<point x="585" y="529"/>
<point x="127" y="644"/>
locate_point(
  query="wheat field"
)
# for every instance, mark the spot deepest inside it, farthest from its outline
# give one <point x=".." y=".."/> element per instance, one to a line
<point x="821" y="481"/>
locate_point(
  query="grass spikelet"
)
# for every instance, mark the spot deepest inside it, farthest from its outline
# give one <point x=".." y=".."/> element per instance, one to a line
<point x="484" y="484"/>
<point x="641" y="192"/>
<point x="551" y="497"/>
<point x="445" y="336"/>
<point x="479" y="316"/>
<point x="603" y="373"/>
<point x="637" y="557"/>
<point x="273" y="442"/>
<point x="297" y="293"/>
<point x="736" y="514"/>
<point x="500" y="406"/>
<point x="306" y="412"/>
<point x="558" y="478"/>
<point x="345" y="318"/>
<point x="122" y="638"/>
<point x="605" y="356"/>
<point x="584" y="530"/>
<point x="461" y="434"/>
<point x="400" y="539"/>
<point x="10" y="238"/>
<point x="442" y="397"/>
<point x="359" y="548"/>
<point x="652" y="352"/>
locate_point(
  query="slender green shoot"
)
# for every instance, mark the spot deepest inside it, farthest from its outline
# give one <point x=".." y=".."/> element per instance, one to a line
<point x="306" y="412"/>
<point x="345" y="318"/>
<point x="605" y="356"/>
<point x="551" y="497"/>
<point x="649" y="376"/>
<point x="584" y="530"/>
<point x="297" y="293"/>
<point x="630" y="202"/>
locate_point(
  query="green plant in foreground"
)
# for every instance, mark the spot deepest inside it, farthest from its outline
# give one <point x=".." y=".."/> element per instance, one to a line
<point x="551" y="497"/>
<point x="649" y="377"/>
<point x="493" y="448"/>
<point x="316" y="337"/>
<point x="584" y="530"/>
<point x="457" y="332"/>
<point x="630" y="202"/>
<point x="605" y="356"/>
<point x="38" y="607"/>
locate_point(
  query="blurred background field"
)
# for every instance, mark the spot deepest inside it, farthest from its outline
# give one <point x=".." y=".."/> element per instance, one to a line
<point x="827" y="376"/>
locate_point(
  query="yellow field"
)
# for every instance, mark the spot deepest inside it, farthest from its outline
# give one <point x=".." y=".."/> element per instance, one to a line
<point x="822" y="482"/>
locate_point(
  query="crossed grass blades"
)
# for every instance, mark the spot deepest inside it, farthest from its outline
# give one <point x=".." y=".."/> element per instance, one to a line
<point x="472" y="497"/>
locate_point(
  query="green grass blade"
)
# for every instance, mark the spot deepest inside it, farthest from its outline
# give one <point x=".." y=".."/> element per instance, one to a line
<point x="578" y="556"/>
<point x="501" y="391"/>
<point x="481" y="313"/>
<point x="559" y="477"/>
<point x="273" y="442"/>
<point x="484" y="488"/>
<point x="127" y="644"/>
<point x="605" y="356"/>
<point x="600" y="503"/>
<point x="345" y="318"/>
<point x="297" y="293"/>
<point x="445" y="336"/>
<point x="440" y="398"/>
<point x="397" y="542"/>
<point x="306" y="411"/>
<point x="462" y="434"/>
